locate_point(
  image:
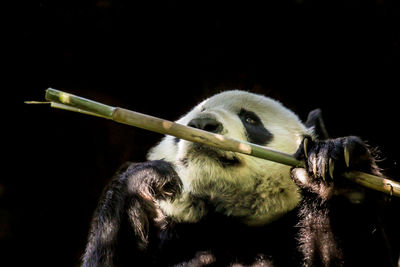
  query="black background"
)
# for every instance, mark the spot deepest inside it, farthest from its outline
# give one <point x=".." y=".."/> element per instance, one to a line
<point x="162" y="59"/>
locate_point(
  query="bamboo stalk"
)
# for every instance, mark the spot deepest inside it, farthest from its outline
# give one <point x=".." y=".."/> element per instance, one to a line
<point x="71" y="102"/>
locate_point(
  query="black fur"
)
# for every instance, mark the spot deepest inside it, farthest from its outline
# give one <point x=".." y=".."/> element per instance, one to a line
<point x="323" y="216"/>
<point x="255" y="130"/>
<point x="130" y="199"/>
<point x="315" y="120"/>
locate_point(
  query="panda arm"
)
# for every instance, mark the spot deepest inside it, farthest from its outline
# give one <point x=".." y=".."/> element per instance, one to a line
<point x="130" y="197"/>
<point x="329" y="224"/>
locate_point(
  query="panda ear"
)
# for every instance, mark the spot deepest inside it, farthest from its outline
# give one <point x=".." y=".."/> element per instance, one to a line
<point x="315" y="121"/>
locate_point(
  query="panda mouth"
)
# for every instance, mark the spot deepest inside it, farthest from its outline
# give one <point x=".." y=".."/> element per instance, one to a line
<point x="223" y="159"/>
<point x="229" y="161"/>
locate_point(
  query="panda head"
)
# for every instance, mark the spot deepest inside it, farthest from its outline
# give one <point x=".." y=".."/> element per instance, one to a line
<point x="238" y="185"/>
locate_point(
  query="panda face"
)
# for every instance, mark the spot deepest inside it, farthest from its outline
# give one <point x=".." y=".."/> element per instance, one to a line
<point x="239" y="185"/>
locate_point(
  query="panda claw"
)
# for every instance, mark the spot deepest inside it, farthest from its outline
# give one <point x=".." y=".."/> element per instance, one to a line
<point x="347" y="156"/>
<point x="315" y="167"/>
<point x="305" y="144"/>
<point x="323" y="171"/>
<point x="331" y="167"/>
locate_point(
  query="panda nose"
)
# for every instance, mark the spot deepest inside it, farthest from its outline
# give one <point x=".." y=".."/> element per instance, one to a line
<point x="206" y="124"/>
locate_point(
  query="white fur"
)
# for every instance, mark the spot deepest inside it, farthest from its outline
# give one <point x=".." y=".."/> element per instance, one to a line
<point x="257" y="190"/>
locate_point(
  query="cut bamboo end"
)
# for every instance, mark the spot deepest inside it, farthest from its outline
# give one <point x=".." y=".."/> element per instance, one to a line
<point x="80" y="104"/>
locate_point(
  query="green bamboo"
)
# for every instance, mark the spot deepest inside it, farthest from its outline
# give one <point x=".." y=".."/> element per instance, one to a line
<point x="84" y="105"/>
<point x="74" y="103"/>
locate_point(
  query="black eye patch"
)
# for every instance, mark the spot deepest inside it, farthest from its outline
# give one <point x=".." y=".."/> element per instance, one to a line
<point x="255" y="130"/>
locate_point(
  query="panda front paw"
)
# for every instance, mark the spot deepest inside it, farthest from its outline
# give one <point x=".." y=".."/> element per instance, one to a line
<point x="325" y="160"/>
<point x="156" y="180"/>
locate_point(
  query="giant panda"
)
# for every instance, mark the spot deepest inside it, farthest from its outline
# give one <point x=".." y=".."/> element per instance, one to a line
<point x="194" y="205"/>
